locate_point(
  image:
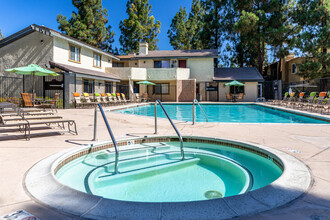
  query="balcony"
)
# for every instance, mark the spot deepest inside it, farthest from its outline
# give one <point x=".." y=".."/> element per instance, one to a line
<point x="150" y="73"/>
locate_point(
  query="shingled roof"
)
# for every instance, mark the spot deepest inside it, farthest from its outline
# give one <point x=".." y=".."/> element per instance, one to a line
<point x="244" y="74"/>
<point x="94" y="73"/>
<point x="212" y="53"/>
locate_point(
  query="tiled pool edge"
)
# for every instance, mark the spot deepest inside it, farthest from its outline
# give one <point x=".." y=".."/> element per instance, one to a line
<point x="42" y="185"/>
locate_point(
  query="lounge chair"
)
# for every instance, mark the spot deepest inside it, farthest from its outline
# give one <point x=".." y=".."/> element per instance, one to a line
<point x="299" y="101"/>
<point x="137" y="97"/>
<point x="88" y="100"/>
<point x="310" y="100"/>
<point x="124" y="98"/>
<point x="318" y="102"/>
<point x="104" y="99"/>
<point x="278" y="102"/>
<point x="116" y="98"/>
<point x="288" y="101"/>
<point x="97" y="98"/>
<point x="78" y="102"/>
<point x="111" y="99"/>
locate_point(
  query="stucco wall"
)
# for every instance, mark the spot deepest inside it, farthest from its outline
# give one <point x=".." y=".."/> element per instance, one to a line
<point x="61" y="55"/>
<point x="168" y="73"/>
<point x="201" y="69"/>
<point x="186" y="90"/>
<point x="25" y="51"/>
<point x="128" y="72"/>
<point x="288" y="68"/>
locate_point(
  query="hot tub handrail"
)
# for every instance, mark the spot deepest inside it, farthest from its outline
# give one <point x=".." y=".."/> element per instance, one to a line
<point x="194" y="113"/>
<point x="112" y="137"/>
<point x="168" y="117"/>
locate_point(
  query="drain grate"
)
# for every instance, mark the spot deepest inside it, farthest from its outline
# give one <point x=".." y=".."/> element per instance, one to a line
<point x="213" y="194"/>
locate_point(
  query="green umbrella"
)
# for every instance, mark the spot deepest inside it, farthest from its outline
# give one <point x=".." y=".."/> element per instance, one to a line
<point x="34" y="70"/>
<point x="234" y="83"/>
<point x="146" y="82"/>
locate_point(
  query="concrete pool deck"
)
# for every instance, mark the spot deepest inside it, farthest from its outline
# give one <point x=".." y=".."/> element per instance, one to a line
<point x="308" y="143"/>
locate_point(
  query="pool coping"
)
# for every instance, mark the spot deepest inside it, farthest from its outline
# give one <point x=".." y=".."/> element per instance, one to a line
<point x="312" y="115"/>
<point x="41" y="184"/>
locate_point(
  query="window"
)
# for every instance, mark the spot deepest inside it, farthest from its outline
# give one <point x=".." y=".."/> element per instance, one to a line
<point x="97" y="60"/>
<point x="236" y="89"/>
<point x="74" y="54"/>
<point x="161" y="64"/>
<point x="108" y="87"/>
<point x="161" y="88"/>
<point x="88" y="86"/>
<point x="294" y="68"/>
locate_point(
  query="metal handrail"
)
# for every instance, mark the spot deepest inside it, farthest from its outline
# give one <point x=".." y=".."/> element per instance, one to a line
<point x="194" y="114"/>
<point x="112" y="137"/>
<point x="168" y="117"/>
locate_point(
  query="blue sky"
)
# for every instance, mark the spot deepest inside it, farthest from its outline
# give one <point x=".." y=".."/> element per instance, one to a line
<point x="18" y="14"/>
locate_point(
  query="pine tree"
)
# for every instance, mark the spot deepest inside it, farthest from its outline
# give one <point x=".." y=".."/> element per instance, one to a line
<point x="196" y="24"/>
<point x="139" y="27"/>
<point x="311" y="18"/>
<point x="1" y="36"/>
<point x="88" y="24"/>
<point x="179" y="35"/>
<point x="184" y="32"/>
<point x="212" y="29"/>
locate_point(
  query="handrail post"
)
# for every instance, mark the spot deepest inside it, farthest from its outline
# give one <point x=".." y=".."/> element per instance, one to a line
<point x="155" y="117"/>
<point x="193" y="110"/>
<point x="168" y="117"/>
<point x="95" y="125"/>
<point x="112" y="137"/>
<point x="194" y="113"/>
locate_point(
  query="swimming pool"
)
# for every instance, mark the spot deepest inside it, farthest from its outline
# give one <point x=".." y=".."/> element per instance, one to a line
<point x="227" y="113"/>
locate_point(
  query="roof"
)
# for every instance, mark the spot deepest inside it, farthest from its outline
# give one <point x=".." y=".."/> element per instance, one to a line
<point x="50" y="32"/>
<point x="245" y="74"/>
<point x="93" y="73"/>
<point x="211" y="53"/>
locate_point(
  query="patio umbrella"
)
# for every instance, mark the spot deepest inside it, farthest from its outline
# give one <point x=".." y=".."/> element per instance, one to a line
<point x="235" y="83"/>
<point x="34" y="70"/>
<point x="146" y="82"/>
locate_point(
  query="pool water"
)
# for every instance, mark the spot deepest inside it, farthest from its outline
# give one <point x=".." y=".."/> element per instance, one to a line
<point x="154" y="172"/>
<point x="228" y="113"/>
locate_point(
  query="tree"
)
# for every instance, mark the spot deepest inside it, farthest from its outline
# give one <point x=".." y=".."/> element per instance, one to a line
<point x="1" y="36"/>
<point x="88" y="24"/>
<point x="139" y="27"/>
<point x="311" y="18"/>
<point x="179" y="33"/>
<point x="212" y="29"/>
<point x="184" y="32"/>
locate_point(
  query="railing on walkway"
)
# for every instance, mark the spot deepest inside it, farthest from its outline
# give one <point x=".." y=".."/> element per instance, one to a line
<point x="111" y="135"/>
<point x="194" y="112"/>
<point x="176" y="130"/>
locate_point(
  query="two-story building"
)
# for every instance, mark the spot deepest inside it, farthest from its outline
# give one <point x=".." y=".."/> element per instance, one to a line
<point x="179" y="75"/>
<point x="81" y="66"/>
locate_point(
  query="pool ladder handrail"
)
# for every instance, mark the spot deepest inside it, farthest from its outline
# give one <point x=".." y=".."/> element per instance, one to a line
<point x="194" y="113"/>
<point x="168" y="117"/>
<point x="112" y="137"/>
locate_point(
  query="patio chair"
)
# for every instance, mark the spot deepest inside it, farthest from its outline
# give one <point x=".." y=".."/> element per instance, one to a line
<point x="117" y="98"/>
<point x="240" y="96"/>
<point x="145" y="97"/>
<point x="228" y="97"/>
<point x="27" y="101"/>
<point x="78" y="102"/>
<point x="111" y="99"/>
<point x="309" y="100"/>
<point x="51" y="103"/>
<point x="288" y="101"/>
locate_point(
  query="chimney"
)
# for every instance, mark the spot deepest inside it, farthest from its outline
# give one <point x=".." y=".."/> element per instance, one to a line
<point x="143" y="48"/>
